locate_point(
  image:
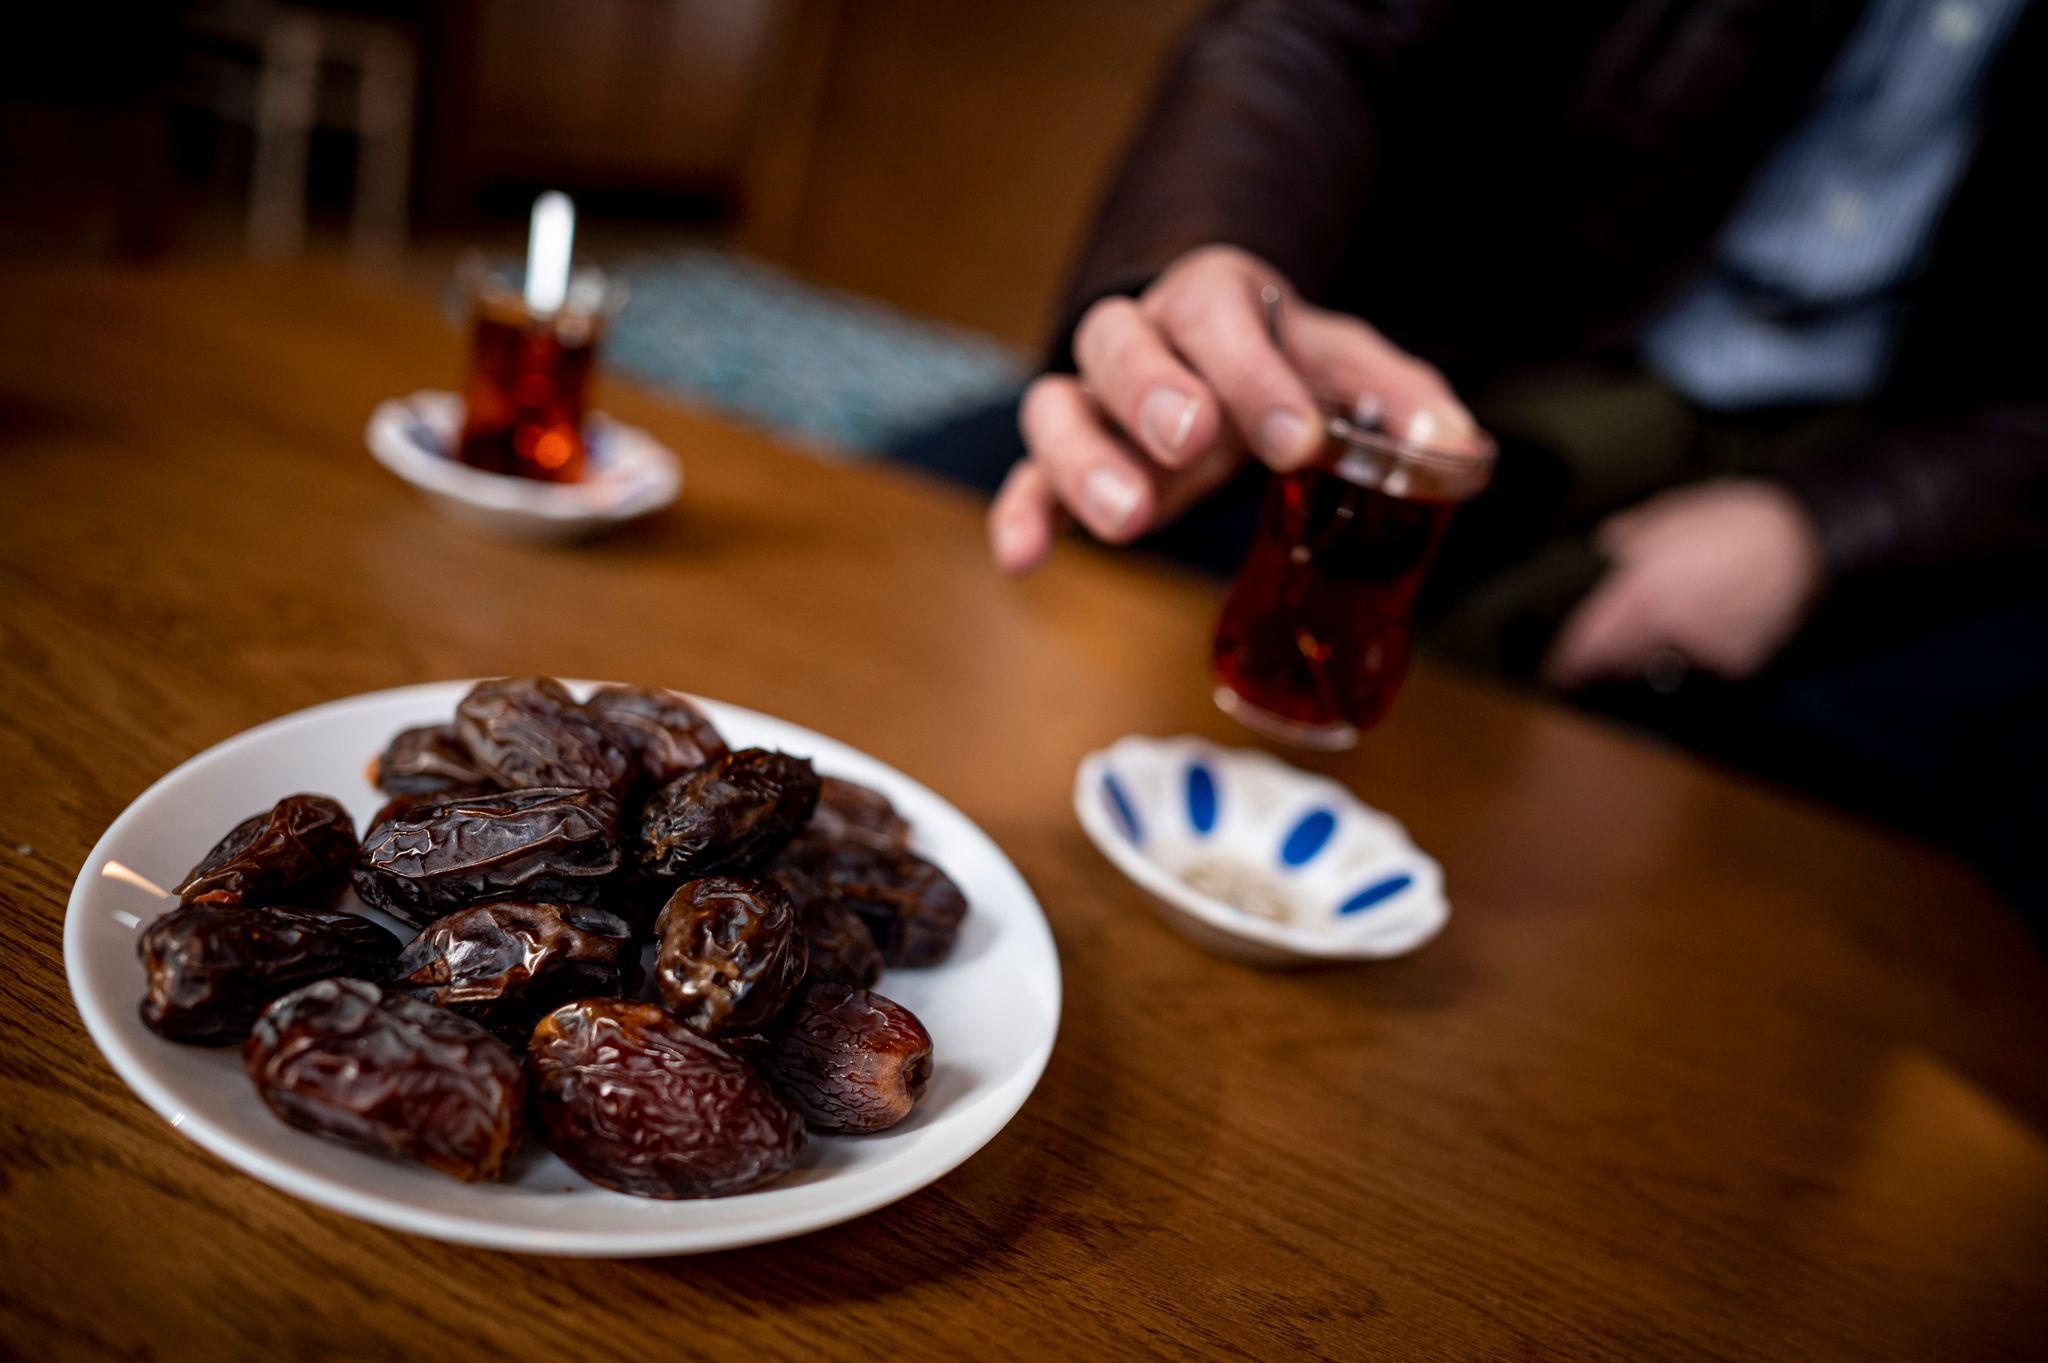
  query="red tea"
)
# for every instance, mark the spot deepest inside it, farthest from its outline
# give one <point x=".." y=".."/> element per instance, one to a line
<point x="524" y="400"/>
<point x="1314" y="639"/>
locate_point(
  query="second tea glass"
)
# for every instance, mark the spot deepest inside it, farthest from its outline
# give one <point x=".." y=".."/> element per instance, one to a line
<point x="1314" y="639"/>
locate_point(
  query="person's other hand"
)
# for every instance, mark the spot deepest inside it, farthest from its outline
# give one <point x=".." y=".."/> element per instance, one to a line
<point x="1722" y="574"/>
<point x="1176" y="386"/>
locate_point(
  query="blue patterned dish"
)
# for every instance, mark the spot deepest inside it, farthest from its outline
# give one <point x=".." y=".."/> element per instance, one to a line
<point x="1256" y="858"/>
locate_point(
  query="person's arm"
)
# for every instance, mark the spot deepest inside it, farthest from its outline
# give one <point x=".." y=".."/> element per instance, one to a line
<point x="1973" y="490"/>
<point x="1248" y="175"/>
<point x="1725" y="573"/>
<point x="1957" y="478"/>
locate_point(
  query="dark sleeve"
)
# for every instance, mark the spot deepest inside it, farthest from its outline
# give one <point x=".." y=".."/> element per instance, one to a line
<point x="1262" y="135"/>
<point x="1972" y="490"/>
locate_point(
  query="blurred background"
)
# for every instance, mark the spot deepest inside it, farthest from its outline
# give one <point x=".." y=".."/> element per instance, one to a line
<point x="877" y="199"/>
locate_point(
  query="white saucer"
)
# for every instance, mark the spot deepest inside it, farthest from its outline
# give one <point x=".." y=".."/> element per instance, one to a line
<point x="631" y="473"/>
<point x="1317" y="874"/>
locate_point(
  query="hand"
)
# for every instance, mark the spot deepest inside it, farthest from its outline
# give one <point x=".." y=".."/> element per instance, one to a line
<point x="1177" y="385"/>
<point x="1723" y="574"/>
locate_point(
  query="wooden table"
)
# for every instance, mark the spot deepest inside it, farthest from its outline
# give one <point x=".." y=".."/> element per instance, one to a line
<point x="1696" y="1071"/>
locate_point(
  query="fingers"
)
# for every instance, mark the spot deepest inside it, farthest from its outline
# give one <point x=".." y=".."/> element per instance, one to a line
<point x="1216" y="322"/>
<point x="1134" y="376"/>
<point x="1076" y="463"/>
<point x="1022" y="518"/>
<point x="1096" y="474"/>
<point x="1621" y="534"/>
<point x="1619" y="627"/>
<point x="1613" y="536"/>
<point x="1174" y="388"/>
<point x="1341" y="356"/>
<point x="1614" y="632"/>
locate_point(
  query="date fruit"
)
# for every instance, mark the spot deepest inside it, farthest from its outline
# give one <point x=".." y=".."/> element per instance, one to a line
<point x="359" y="1064"/>
<point x="506" y="964"/>
<point x="730" y="954"/>
<point x="666" y="734"/>
<point x="637" y="1102"/>
<point x="529" y="731"/>
<point x="727" y="816"/>
<point x="427" y="761"/>
<point x="848" y="1059"/>
<point x="546" y="846"/>
<point x="838" y="943"/>
<point x="912" y="908"/>
<point x="847" y="809"/>
<point x="297" y="852"/>
<point x="212" y="968"/>
<point x="404" y="805"/>
<point x="503" y="965"/>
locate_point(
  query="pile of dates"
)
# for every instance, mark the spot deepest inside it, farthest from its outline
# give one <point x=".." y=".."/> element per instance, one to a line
<point x="655" y="952"/>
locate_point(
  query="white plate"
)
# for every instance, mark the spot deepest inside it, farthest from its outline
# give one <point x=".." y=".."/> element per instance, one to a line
<point x="992" y="1009"/>
<point x="631" y="474"/>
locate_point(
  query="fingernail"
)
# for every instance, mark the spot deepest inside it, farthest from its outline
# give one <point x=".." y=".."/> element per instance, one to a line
<point x="1009" y="542"/>
<point x="1166" y="417"/>
<point x="1448" y="427"/>
<point x="1112" y="495"/>
<point x="1283" y="436"/>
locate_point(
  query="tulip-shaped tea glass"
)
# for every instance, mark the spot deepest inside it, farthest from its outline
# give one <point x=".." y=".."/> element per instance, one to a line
<point x="1314" y="639"/>
<point x="529" y="373"/>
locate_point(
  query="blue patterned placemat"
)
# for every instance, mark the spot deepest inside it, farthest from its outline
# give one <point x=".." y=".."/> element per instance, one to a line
<point x="815" y="364"/>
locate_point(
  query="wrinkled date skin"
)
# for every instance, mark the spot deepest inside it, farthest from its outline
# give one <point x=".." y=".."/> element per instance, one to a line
<point x="848" y="1059"/>
<point x="359" y="1064"/>
<point x="730" y="954"/>
<point x="211" y="968"/>
<point x="727" y="816"/>
<point x="297" y="852"/>
<point x="849" y="810"/>
<point x="838" y="943"/>
<point x="666" y="735"/>
<point x="529" y="731"/>
<point x="547" y="846"/>
<point x="401" y="806"/>
<point x="427" y="761"/>
<point x="911" y="907"/>
<point x="504" y="965"/>
<point x="637" y="1102"/>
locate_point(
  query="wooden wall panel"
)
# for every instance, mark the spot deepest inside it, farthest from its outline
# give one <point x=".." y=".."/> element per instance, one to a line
<point x="946" y="156"/>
